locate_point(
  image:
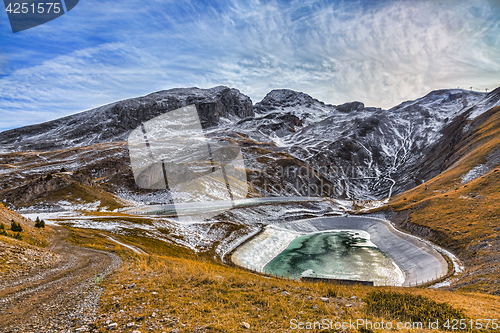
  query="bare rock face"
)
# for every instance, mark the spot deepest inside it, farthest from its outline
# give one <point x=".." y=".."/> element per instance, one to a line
<point x="285" y="98"/>
<point x="113" y="122"/>
<point x="228" y="102"/>
<point x="44" y="186"/>
<point x="349" y="107"/>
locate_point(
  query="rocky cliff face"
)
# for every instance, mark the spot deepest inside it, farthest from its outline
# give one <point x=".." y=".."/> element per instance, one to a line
<point x="113" y="122"/>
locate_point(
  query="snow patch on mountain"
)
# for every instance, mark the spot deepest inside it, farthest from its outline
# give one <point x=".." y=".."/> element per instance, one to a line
<point x="490" y="101"/>
<point x="364" y="153"/>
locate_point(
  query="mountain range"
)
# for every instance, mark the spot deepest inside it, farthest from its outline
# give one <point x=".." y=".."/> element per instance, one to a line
<point x="292" y="144"/>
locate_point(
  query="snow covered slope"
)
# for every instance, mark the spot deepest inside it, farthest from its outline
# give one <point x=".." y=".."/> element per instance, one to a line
<point x="292" y="144"/>
<point x="113" y="122"/>
<point x="366" y="153"/>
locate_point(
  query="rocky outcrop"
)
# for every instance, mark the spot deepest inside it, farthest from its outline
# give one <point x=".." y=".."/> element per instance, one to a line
<point x="44" y="186"/>
<point x="350" y="107"/>
<point x="285" y="98"/>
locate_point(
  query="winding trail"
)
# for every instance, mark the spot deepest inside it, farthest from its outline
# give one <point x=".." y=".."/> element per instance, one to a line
<point x="59" y="299"/>
<point x="130" y="247"/>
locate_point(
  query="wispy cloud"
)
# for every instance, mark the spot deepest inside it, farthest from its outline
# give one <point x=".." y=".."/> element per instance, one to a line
<point x="381" y="53"/>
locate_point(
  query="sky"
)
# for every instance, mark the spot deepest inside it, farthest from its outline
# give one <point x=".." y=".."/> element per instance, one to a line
<point x="378" y="52"/>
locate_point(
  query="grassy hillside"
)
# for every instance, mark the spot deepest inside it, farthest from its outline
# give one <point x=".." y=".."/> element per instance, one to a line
<point x="463" y="215"/>
<point x="30" y="234"/>
<point x="22" y="253"/>
<point x="173" y="288"/>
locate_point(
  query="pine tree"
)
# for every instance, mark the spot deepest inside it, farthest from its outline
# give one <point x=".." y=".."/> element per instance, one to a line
<point x="39" y="223"/>
<point x="16" y="227"/>
<point x="2" y="230"/>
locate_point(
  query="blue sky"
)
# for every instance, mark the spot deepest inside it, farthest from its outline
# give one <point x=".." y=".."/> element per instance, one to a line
<point x="377" y="52"/>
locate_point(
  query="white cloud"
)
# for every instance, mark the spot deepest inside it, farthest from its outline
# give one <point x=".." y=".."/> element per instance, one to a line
<point x="381" y="55"/>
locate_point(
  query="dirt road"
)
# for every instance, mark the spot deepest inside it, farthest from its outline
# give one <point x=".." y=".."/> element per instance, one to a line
<point x="63" y="299"/>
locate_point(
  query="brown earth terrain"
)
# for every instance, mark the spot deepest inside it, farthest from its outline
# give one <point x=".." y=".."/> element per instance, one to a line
<point x="61" y="297"/>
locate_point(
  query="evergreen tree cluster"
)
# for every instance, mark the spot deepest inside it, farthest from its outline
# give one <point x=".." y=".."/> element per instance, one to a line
<point x="16" y="227"/>
<point x="39" y="223"/>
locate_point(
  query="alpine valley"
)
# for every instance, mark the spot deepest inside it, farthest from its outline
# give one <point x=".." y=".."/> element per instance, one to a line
<point x="431" y="166"/>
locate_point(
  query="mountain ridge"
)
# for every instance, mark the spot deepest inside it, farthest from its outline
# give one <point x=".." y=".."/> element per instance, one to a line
<point x="362" y="153"/>
<point x="112" y="122"/>
<point x="214" y="103"/>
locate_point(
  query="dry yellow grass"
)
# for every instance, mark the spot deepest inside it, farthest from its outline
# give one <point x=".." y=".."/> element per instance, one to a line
<point x="196" y="294"/>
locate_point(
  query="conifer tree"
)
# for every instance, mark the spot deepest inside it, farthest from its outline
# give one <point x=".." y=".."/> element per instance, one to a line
<point x="16" y="227"/>
<point x="39" y="223"/>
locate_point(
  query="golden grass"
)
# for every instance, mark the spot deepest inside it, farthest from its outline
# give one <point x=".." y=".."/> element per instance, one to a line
<point x="190" y="291"/>
<point x="203" y="293"/>
<point x="31" y="237"/>
<point x="219" y="298"/>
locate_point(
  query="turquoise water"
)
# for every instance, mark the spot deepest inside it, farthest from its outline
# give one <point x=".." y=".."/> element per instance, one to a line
<point x="341" y="255"/>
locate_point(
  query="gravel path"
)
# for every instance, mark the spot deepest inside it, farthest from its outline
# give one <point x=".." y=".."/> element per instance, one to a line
<point x="62" y="299"/>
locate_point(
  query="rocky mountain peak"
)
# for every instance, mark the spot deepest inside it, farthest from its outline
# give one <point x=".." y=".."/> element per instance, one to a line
<point x="282" y="98"/>
<point x="349" y="107"/>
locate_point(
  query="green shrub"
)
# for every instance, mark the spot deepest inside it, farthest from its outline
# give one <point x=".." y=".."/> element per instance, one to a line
<point x="2" y="230"/>
<point x="16" y="227"/>
<point x="18" y="236"/>
<point x="409" y="307"/>
<point x="39" y="223"/>
<point x="49" y="177"/>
